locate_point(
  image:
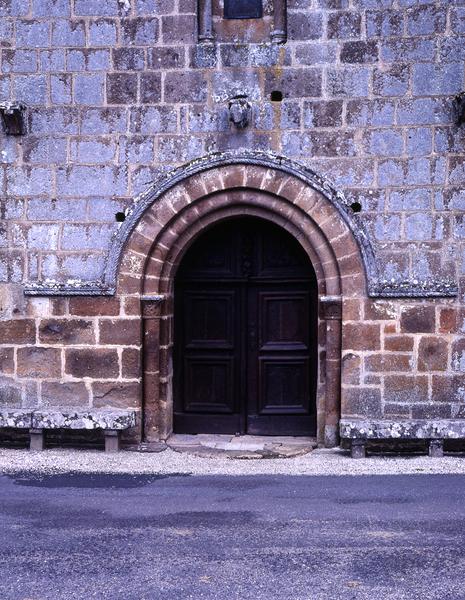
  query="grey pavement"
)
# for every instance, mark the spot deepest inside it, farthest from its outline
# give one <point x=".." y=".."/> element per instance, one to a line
<point x="143" y="537"/>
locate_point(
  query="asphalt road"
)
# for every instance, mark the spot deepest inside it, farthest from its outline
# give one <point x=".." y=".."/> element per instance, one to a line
<point x="266" y="537"/>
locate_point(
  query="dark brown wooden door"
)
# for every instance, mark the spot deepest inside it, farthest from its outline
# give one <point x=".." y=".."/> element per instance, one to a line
<point x="245" y="333"/>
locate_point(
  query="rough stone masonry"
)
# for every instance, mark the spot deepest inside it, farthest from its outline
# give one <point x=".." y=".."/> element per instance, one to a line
<point x="118" y="93"/>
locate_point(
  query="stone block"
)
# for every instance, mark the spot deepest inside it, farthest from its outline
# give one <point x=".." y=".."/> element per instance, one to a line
<point x="359" y="401"/>
<point x="116" y="394"/>
<point x="179" y="29"/>
<point x="203" y="56"/>
<point x="51" y="8"/>
<point x="294" y="83"/>
<point x="136" y="149"/>
<point x="407" y="49"/>
<point x="88" y="89"/>
<point x="457" y="19"/>
<point x="150" y="88"/>
<point x="125" y="332"/>
<point x="385" y="142"/>
<point x="52" y="60"/>
<point x="139" y="31"/>
<point x="128" y="59"/>
<point x="32" y="34"/>
<point x="178" y="149"/>
<point x="361" y="336"/>
<point x="185" y="87"/>
<point x="55" y="393"/>
<point x="96" y="8"/>
<point x="103" y="120"/>
<point x="398" y="343"/>
<point x="432" y="354"/>
<point x="7" y="363"/>
<point x="359" y="52"/>
<point x="130" y="361"/>
<point x="102" y="32"/>
<point x="68" y="33"/>
<point x="426" y="20"/>
<point x="30" y="89"/>
<point x="54" y="120"/>
<point x="94" y="151"/>
<point x="166" y="57"/>
<point x="423" y="111"/>
<point x="35" y="362"/>
<point x="97" y="363"/>
<point x="60" y="91"/>
<point x="66" y="331"/>
<point x="316" y="53"/>
<point x="19" y="61"/>
<point x="322" y="113"/>
<point x="348" y="81"/>
<point x="448" y="320"/>
<point x="44" y="149"/>
<point x="406" y="388"/>
<point x="351" y="364"/>
<point x="79" y="181"/>
<point x="384" y="23"/>
<point x="86" y="237"/>
<point x="344" y="24"/>
<point x="391" y="81"/>
<point x="385" y="363"/>
<point x="418" y="319"/>
<point x="88" y="60"/>
<point x="304" y="25"/>
<point x="458" y="355"/>
<point x="154" y="7"/>
<point x="114" y="419"/>
<point x="94" y="306"/>
<point x="437" y="79"/>
<point x="370" y="112"/>
<point x="20" y="419"/>
<point x="18" y="331"/>
<point x="154" y="119"/>
<point x="14" y="8"/>
<point x="42" y="209"/>
<point x="431" y="411"/>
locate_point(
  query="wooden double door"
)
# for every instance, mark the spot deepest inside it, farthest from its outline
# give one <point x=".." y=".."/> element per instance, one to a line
<point x="245" y="333"/>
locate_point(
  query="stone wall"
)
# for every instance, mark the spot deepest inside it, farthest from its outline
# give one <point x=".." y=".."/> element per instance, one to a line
<point x="118" y="92"/>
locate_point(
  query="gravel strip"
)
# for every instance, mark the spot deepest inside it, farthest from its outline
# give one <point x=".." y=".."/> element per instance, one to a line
<point x="318" y="462"/>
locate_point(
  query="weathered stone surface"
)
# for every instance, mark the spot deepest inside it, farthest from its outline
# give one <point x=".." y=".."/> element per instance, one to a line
<point x="15" y="418"/>
<point x="406" y="429"/>
<point x="82" y="419"/>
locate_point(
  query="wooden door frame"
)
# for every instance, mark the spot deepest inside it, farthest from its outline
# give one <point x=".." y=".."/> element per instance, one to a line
<point x="167" y="229"/>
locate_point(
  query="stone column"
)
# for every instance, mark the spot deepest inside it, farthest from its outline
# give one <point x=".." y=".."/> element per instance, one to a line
<point x="151" y="312"/>
<point x="205" y="20"/>
<point x="279" y="33"/>
<point x="331" y="311"/>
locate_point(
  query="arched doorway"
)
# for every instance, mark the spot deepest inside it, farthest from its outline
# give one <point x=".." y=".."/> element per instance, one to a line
<point x="246" y="332"/>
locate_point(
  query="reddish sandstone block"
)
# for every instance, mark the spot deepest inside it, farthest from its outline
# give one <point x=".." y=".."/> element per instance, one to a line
<point x="431" y="411"/>
<point x="446" y="388"/>
<point x="432" y="354"/>
<point x="7" y="365"/>
<point x="94" y="307"/>
<point x="382" y="363"/>
<point x="131" y="363"/>
<point x="361" y="336"/>
<point x="398" y="343"/>
<point x="418" y="319"/>
<point x="17" y="331"/>
<point x="55" y="393"/>
<point x="448" y="320"/>
<point x="351" y="369"/>
<point x="66" y="331"/>
<point x="97" y="363"/>
<point x="400" y="411"/>
<point x="39" y="362"/>
<point x="363" y="402"/>
<point x="125" y="332"/>
<point x="351" y="309"/>
<point x="406" y="388"/>
<point x="116" y="394"/>
<point x="375" y="310"/>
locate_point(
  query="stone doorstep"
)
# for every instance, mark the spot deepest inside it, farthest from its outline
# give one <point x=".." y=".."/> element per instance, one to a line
<point x="247" y="446"/>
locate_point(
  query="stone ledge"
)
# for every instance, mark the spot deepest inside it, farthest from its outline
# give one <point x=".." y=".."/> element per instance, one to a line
<point x="16" y="418"/>
<point x="413" y="429"/>
<point x="79" y="419"/>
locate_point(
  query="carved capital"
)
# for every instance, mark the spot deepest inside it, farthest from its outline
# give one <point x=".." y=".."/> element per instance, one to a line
<point x="331" y="307"/>
<point x="151" y="306"/>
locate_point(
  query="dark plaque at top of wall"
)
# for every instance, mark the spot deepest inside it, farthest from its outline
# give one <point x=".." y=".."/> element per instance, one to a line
<point x="243" y="9"/>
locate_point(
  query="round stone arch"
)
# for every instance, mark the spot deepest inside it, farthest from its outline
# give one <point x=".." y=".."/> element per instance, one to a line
<point x="155" y="245"/>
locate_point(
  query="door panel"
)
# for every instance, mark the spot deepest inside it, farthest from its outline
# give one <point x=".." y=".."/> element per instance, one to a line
<point x="245" y="333"/>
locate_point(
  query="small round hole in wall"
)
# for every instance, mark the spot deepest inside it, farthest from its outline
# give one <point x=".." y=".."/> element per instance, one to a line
<point x="120" y="217"/>
<point x="276" y="96"/>
<point x="356" y="207"/>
